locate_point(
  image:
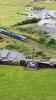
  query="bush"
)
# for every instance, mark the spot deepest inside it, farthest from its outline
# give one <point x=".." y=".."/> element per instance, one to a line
<point x="51" y="41"/>
<point x="42" y="40"/>
<point x="40" y="53"/>
<point x="9" y="46"/>
<point x="43" y="32"/>
<point x="28" y="21"/>
<point x="38" y="8"/>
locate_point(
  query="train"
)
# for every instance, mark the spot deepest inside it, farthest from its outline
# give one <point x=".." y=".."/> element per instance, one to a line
<point x="10" y="34"/>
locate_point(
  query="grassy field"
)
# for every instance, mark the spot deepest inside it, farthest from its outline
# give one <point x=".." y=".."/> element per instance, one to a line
<point x="10" y="8"/>
<point x="16" y="83"/>
<point x="42" y="4"/>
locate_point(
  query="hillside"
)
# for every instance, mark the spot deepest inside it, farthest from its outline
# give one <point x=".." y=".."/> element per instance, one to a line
<point x="12" y="12"/>
<point x="16" y="82"/>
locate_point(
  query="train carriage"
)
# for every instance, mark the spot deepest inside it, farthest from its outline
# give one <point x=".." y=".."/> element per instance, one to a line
<point x="10" y="34"/>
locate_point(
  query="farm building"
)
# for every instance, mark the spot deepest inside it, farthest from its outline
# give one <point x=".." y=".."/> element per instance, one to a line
<point x="52" y="13"/>
<point x="43" y="14"/>
<point x="28" y="8"/>
<point x="47" y="22"/>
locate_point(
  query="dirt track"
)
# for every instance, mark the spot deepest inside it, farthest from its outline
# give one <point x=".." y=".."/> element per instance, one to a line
<point x="42" y="48"/>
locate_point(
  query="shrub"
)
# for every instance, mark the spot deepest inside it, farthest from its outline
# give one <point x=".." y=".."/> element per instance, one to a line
<point x="40" y="53"/>
<point x="51" y="41"/>
<point x="37" y="8"/>
<point x="42" y="40"/>
<point x="28" y="21"/>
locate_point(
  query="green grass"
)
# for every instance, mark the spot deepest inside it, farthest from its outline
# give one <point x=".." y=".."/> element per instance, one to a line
<point x="10" y="8"/>
<point x="16" y="83"/>
<point x="45" y="4"/>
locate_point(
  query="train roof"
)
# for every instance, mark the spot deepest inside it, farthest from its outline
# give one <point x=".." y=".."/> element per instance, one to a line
<point x="2" y="30"/>
<point x="22" y="36"/>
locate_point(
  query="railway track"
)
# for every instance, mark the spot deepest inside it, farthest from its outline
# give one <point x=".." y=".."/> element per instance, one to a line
<point x="42" y="48"/>
<point x="29" y="42"/>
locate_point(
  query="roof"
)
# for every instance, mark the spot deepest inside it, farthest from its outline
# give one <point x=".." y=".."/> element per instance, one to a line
<point x="41" y="13"/>
<point x="47" y="21"/>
